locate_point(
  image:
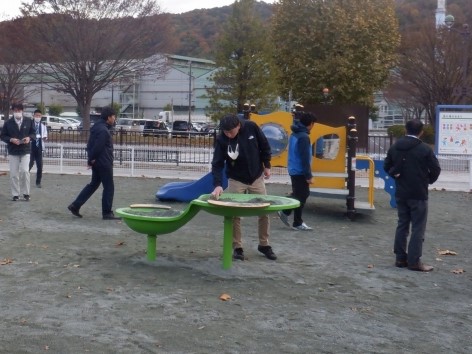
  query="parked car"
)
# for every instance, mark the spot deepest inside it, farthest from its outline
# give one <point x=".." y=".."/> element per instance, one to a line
<point x="69" y="124"/>
<point x="55" y="123"/>
<point x="94" y="117"/>
<point x="130" y="125"/>
<point x="181" y="128"/>
<point x="156" y="128"/>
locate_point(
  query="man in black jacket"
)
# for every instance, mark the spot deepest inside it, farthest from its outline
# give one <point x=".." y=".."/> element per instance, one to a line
<point x="17" y="132"/>
<point x="100" y="160"/>
<point x="414" y="166"/>
<point x="244" y="149"/>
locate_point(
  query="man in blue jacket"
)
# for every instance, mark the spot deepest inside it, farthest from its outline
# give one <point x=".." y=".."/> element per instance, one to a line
<point x="243" y="148"/>
<point x="100" y="160"/>
<point x="414" y="166"/>
<point x="299" y="168"/>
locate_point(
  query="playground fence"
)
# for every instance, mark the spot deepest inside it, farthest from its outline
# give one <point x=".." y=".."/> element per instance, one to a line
<point x="162" y="155"/>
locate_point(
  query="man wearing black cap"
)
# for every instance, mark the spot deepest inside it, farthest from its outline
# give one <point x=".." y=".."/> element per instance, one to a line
<point x="244" y="149"/>
<point x="100" y="160"/>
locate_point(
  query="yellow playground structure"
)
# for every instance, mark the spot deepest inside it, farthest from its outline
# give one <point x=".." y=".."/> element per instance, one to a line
<point x="334" y="158"/>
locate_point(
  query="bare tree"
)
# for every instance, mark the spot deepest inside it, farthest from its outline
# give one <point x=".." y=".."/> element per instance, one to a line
<point x="15" y="64"/>
<point x="431" y="66"/>
<point x="84" y="45"/>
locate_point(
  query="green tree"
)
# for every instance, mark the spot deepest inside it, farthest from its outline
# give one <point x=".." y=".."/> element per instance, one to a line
<point x="55" y="109"/>
<point x="246" y="68"/>
<point x="347" y="45"/>
<point x="85" y="45"/>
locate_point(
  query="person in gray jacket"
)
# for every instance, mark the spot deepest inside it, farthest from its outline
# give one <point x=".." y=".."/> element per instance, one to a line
<point x="414" y="166"/>
<point x="17" y="132"/>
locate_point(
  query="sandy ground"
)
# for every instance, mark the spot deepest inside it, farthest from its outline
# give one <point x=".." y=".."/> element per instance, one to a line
<point x="72" y="285"/>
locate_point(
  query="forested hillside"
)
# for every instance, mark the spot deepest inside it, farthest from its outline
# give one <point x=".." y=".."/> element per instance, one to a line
<point x="196" y="31"/>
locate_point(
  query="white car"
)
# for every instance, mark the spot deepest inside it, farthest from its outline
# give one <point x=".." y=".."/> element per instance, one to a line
<point x="72" y="123"/>
<point x="56" y="123"/>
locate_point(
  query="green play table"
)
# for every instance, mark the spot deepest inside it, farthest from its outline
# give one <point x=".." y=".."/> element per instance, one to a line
<point x="144" y="220"/>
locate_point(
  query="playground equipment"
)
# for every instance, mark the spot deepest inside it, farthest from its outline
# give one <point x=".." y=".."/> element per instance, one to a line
<point x="152" y="222"/>
<point x="334" y="158"/>
<point x="333" y="165"/>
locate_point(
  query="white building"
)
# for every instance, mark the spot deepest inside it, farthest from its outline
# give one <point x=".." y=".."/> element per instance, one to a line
<point x="145" y="96"/>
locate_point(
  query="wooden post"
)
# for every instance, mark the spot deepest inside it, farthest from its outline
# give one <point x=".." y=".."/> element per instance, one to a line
<point x="351" y="167"/>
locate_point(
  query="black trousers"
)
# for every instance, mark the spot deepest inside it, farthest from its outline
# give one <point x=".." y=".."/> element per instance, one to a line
<point x="300" y="192"/>
<point x="100" y="175"/>
<point x="415" y="213"/>
<point x="36" y="156"/>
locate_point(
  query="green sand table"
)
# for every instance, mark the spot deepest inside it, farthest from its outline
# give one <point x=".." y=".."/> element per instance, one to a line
<point x="153" y="222"/>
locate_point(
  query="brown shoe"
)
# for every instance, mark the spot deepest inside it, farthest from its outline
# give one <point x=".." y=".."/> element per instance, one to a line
<point x="401" y="264"/>
<point x="420" y="267"/>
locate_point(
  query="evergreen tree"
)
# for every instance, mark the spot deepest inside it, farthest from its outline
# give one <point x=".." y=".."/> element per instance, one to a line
<point x="346" y="45"/>
<point x="245" y="62"/>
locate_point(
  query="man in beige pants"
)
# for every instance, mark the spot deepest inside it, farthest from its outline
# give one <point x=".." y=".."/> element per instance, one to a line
<point x="17" y="133"/>
<point x="243" y="148"/>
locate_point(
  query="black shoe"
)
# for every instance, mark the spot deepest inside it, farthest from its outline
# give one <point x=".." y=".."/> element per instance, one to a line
<point x="38" y="185"/>
<point x="401" y="263"/>
<point x="26" y="197"/>
<point x="74" y="210"/>
<point x="267" y="251"/>
<point x="15" y="198"/>
<point x="111" y="216"/>
<point x="238" y="253"/>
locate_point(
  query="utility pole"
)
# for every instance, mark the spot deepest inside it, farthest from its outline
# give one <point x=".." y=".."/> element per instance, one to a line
<point x="189" y="93"/>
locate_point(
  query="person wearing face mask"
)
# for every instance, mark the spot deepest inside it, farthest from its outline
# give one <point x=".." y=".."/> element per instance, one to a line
<point x="37" y="146"/>
<point x="17" y="134"/>
<point x="243" y="148"/>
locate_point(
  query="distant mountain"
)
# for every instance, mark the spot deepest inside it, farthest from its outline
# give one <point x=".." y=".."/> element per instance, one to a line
<point x="196" y="31"/>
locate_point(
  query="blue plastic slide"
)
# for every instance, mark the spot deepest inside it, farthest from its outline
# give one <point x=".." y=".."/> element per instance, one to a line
<point x="188" y="191"/>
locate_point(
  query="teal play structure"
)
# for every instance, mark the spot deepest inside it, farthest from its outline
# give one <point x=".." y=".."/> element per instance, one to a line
<point x="145" y="221"/>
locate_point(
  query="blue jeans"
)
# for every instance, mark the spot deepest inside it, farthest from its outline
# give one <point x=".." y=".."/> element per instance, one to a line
<point x="415" y="213"/>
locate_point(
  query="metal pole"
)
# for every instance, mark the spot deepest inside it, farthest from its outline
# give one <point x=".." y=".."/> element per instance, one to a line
<point x="465" y="64"/>
<point x="190" y="93"/>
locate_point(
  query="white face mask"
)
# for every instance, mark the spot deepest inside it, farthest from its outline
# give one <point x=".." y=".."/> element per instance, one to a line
<point x="37" y="120"/>
<point x="233" y="153"/>
<point x="17" y="115"/>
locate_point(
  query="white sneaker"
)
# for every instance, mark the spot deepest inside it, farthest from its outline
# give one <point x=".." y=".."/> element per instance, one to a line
<point x="302" y="227"/>
<point x="284" y="218"/>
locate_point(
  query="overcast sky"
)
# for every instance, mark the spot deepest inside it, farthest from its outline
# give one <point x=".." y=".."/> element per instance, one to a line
<point x="9" y="8"/>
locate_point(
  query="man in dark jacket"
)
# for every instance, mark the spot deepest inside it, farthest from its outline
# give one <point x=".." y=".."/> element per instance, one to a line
<point x="414" y="166"/>
<point x="299" y="168"/>
<point x="17" y="132"/>
<point x="244" y="149"/>
<point x="100" y="160"/>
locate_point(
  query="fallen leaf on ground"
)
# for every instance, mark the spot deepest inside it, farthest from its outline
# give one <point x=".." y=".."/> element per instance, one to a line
<point x="458" y="271"/>
<point x="225" y="297"/>
<point x="120" y="243"/>
<point x="447" y="253"/>
<point x="370" y="266"/>
<point x="6" y="261"/>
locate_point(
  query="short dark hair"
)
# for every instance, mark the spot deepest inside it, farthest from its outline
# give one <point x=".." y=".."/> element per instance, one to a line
<point x="37" y="111"/>
<point x="229" y="122"/>
<point x="107" y="112"/>
<point x="306" y="118"/>
<point x="414" y="127"/>
<point x="17" y="106"/>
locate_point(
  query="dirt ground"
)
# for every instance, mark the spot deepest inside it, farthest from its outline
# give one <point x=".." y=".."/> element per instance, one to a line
<point x="71" y="285"/>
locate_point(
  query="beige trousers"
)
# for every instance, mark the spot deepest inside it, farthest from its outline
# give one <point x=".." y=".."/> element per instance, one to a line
<point x="258" y="187"/>
<point x="19" y="174"/>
